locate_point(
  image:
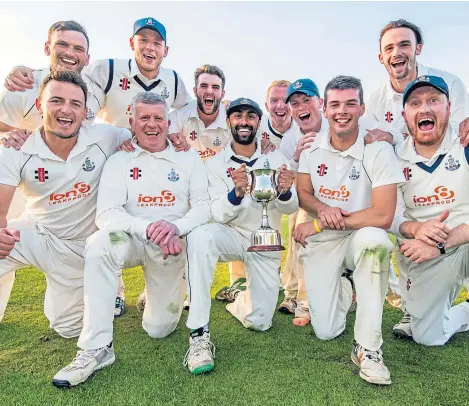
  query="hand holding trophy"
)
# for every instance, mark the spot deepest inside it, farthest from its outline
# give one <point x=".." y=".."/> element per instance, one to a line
<point x="266" y="186"/>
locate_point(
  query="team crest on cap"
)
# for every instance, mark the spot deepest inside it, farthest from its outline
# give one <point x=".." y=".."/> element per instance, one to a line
<point x="149" y="22"/>
<point x="354" y="174"/>
<point x="88" y="166"/>
<point x="423" y="79"/>
<point x="244" y="101"/>
<point x="297" y="84"/>
<point x="173" y="176"/>
<point x="452" y="164"/>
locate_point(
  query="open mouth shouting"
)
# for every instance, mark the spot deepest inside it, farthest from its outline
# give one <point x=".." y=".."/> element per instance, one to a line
<point x="304" y="116"/>
<point x="426" y="124"/>
<point x="398" y="64"/>
<point x="64" y="121"/>
<point x="280" y="114"/>
<point x="209" y="101"/>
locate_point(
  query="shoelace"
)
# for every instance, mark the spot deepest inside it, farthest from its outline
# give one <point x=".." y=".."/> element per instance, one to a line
<point x="406" y="318"/>
<point x="83" y="358"/>
<point x="376" y="356"/>
<point x="197" y="346"/>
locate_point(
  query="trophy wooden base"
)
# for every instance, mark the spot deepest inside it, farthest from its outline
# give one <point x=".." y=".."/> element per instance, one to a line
<point x="265" y="248"/>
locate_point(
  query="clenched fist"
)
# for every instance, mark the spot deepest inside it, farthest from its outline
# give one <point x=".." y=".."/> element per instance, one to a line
<point x="285" y="179"/>
<point x="240" y="180"/>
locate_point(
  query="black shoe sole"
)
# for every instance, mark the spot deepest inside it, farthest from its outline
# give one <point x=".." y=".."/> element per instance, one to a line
<point x="284" y="310"/>
<point x="61" y="384"/>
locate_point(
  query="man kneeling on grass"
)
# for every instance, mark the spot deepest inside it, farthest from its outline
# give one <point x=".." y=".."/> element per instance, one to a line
<point x="236" y="216"/>
<point x="434" y="218"/>
<point x="351" y="189"/>
<point x="148" y="200"/>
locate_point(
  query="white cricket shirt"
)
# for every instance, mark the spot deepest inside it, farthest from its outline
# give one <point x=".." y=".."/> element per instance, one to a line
<point x="346" y="179"/>
<point x="385" y="104"/>
<point x="61" y="195"/>
<point x="121" y="80"/>
<point x="267" y="131"/>
<point x="244" y="215"/>
<point x="141" y="187"/>
<point x="18" y="109"/>
<point x="207" y="141"/>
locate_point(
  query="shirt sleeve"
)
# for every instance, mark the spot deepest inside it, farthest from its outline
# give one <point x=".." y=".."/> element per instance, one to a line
<point x="224" y="205"/>
<point x="303" y="166"/>
<point x="183" y="97"/>
<point x="199" y="212"/>
<point x="175" y="126"/>
<point x="10" y="166"/>
<point x="399" y="216"/>
<point x="459" y="101"/>
<point x="382" y="165"/>
<point x="98" y="72"/>
<point x="11" y="108"/>
<point x="112" y="197"/>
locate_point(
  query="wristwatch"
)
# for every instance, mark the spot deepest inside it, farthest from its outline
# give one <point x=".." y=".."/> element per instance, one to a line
<point x="441" y="247"/>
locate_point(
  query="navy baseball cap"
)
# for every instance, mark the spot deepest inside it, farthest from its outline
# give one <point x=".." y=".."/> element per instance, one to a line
<point x="243" y="102"/>
<point x="305" y="86"/>
<point x="151" y="23"/>
<point x="436" y="82"/>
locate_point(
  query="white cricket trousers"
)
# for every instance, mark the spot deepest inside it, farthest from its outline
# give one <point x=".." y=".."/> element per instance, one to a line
<point x="430" y="290"/>
<point x="293" y="270"/>
<point x="255" y="307"/>
<point x="106" y="253"/>
<point x="366" y="252"/>
<point x="62" y="263"/>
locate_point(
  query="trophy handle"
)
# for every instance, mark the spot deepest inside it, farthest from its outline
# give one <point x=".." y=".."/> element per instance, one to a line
<point x="277" y="176"/>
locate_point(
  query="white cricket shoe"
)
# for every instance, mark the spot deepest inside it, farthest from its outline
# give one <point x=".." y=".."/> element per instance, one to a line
<point x="288" y="306"/>
<point x="371" y="364"/>
<point x="84" y="364"/>
<point x="403" y="329"/>
<point x="200" y="355"/>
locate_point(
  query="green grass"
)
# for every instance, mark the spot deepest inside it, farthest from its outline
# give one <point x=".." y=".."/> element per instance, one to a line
<point x="284" y="366"/>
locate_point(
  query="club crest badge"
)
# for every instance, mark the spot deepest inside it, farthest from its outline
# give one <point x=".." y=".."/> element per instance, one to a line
<point x="217" y="142"/>
<point x="452" y="164"/>
<point x="245" y="101"/>
<point x="266" y="164"/>
<point x="88" y="166"/>
<point x="354" y="174"/>
<point x="173" y="176"/>
<point x="297" y="85"/>
<point x="149" y="22"/>
<point x="90" y="116"/>
<point x="165" y="93"/>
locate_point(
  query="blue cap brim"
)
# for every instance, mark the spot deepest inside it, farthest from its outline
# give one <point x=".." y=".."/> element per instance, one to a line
<point x="422" y="84"/>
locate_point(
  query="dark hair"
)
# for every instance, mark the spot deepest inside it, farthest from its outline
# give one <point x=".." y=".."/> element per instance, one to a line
<point x="343" y="83"/>
<point x="65" y="77"/>
<point x="68" y="26"/>
<point x="211" y="70"/>
<point x="404" y="24"/>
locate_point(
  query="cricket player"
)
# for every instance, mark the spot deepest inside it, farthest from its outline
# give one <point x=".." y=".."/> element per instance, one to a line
<point x="148" y="201"/>
<point x="432" y="226"/>
<point x="279" y="122"/>
<point x="350" y="189"/>
<point x="122" y="79"/>
<point x="58" y="169"/>
<point x="400" y="43"/>
<point x="229" y="237"/>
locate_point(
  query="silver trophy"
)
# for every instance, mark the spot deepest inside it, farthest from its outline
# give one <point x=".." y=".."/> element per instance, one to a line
<point x="263" y="189"/>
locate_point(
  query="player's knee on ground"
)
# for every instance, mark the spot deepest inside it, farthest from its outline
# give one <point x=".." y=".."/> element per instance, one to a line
<point x="159" y="330"/>
<point x="107" y="244"/>
<point x="422" y="334"/>
<point x="71" y="331"/>
<point x="372" y="241"/>
<point x="325" y="331"/>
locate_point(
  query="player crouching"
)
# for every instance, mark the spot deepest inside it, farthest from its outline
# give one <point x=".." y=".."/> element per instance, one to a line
<point x="351" y="189"/>
<point x="236" y="216"/>
<point x="148" y="200"/>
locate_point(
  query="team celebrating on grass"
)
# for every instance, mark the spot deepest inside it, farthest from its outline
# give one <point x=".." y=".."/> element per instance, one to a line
<point x="163" y="183"/>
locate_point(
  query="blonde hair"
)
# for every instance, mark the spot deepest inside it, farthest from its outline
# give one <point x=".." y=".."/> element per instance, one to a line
<point x="277" y="83"/>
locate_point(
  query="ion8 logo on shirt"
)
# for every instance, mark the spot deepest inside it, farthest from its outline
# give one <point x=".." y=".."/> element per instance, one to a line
<point x="80" y="190"/>
<point x="342" y="194"/>
<point x="165" y="199"/>
<point x="443" y="195"/>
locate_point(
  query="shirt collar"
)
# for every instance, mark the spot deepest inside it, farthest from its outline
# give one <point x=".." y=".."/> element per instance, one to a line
<point x="163" y="74"/>
<point x="35" y="144"/>
<point x="391" y="93"/>
<point x="355" y="151"/>
<point x="220" y="121"/>
<point x="169" y="153"/>
<point x="407" y="152"/>
<point x="228" y="152"/>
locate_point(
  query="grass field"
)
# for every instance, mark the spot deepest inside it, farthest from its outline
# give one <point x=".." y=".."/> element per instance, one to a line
<point x="284" y="366"/>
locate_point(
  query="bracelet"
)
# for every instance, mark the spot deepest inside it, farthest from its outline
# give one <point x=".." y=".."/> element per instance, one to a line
<point x="316" y="225"/>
